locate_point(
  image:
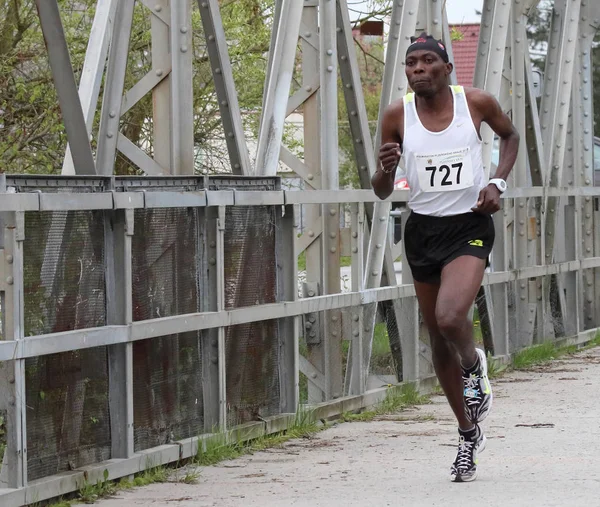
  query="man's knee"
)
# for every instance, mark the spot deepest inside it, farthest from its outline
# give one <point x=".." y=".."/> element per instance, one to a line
<point x="450" y="321"/>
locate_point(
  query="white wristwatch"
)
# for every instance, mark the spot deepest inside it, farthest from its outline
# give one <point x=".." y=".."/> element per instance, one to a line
<point x="500" y="184"/>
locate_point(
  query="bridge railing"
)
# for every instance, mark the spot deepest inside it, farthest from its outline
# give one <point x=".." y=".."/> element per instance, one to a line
<point x="142" y="316"/>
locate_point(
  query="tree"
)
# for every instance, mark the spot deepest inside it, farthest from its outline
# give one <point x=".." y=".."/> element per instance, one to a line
<point x="32" y="136"/>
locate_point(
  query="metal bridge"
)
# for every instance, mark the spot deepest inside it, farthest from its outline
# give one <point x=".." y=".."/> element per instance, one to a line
<point x="143" y="316"/>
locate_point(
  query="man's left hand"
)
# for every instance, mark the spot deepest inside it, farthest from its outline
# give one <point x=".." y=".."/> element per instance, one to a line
<point x="489" y="201"/>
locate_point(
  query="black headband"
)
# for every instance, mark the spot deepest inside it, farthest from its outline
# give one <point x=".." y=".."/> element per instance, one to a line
<point x="426" y="42"/>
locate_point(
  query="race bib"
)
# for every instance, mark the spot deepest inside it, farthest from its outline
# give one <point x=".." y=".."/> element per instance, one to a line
<point x="445" y="171"/>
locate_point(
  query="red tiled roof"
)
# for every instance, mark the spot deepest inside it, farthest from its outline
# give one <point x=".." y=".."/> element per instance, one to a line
<point x="465" y="52"/>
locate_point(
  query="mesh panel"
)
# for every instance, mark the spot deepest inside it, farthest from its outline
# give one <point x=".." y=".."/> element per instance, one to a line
<point x="382" y="364"/>
<point x="168" y="400"/>
<point x="67" y="394"/>
<point x="251" y="279"/>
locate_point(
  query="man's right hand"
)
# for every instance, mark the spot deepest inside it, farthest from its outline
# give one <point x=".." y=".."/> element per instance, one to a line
<point x="389" y="156"/>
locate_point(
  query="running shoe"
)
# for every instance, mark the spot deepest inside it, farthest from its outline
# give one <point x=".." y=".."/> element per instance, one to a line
<point x="477" y="390"/>
<point x="470" y="443"/>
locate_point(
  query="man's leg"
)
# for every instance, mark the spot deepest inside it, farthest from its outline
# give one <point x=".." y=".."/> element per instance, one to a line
<point x="461" y="280"/>
<point x="446" y="360"/>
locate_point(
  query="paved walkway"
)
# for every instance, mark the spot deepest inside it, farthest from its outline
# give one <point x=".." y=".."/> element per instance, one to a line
<point x="543" y="450"/>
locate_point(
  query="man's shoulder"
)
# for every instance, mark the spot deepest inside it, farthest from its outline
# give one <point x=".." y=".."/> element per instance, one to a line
<point x="395" y="107"/>
<point x="478" y="97"/>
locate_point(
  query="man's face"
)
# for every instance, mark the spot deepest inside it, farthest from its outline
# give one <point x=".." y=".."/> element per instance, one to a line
<point x="427" y="73"/>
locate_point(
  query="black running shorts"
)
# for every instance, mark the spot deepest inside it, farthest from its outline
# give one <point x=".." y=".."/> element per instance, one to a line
<point x="432" y="242"/>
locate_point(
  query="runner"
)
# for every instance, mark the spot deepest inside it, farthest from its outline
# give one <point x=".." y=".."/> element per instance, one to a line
<point x="450" y="233"/>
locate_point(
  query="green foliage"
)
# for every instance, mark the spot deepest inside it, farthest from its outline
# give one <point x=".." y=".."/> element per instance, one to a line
<point x="396" y="399"/>
<point x="32" y="137"/>
<point x="540" y="354"/>
<point x="219" y="447"/>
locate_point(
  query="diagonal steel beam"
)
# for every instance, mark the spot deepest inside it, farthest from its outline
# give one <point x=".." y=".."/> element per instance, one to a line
<point x="93" y="69"/>
<point x="113" y="89"/>
<point x="66" y="88"/>
<point x="225" y="86"/>
<point x="277" y="87"/>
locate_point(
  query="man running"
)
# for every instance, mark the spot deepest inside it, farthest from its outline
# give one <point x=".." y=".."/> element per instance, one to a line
<point x="450" y="233"/>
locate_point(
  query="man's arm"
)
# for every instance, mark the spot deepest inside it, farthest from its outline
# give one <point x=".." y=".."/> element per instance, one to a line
<point x="390" y="151"/>
<point x="492" y="114"/>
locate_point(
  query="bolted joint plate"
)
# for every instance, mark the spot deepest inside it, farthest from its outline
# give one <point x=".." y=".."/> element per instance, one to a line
<point x="311" y="322"/>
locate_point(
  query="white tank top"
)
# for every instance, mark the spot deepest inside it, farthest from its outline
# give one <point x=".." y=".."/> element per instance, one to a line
<point x="444" y="169"/>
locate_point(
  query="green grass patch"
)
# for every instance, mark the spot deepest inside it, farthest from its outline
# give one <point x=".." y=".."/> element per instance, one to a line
<point x="540" y="354"/>
<point x="90" y="493"/>
<point x="345" y="261"/>
<point x="395" y="400"/>
<point x="218" y="448"/>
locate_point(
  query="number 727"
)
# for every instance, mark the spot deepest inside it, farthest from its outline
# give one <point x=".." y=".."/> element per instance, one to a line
<point x="446" y="181"/>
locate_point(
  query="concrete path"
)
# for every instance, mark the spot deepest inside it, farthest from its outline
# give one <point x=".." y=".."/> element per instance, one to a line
<point x="543" y="450"/>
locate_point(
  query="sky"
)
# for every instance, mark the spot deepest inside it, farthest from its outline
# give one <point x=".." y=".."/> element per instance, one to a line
<point x="459" y="11"/>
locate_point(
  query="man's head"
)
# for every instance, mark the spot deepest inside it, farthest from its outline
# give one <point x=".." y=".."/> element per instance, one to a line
<point x="427" y="67"/>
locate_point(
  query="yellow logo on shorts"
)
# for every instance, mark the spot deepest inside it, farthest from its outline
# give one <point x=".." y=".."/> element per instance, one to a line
<point x="476" y="242"/>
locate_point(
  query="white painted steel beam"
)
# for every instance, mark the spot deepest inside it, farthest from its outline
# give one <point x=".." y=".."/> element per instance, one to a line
<point x="182" y="99"/>
<point x="277" y="88"/>
<point x="330" y="213"/>
<point x="161" y="93"/>
<point x="490" y="60"/>
<point x="113" y="90"/>
<point x="525" y="309"/>
<point x="93" y="69"/>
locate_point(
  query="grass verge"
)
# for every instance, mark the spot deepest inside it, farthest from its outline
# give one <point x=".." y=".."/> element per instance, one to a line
<point x="406" y="396"/>
<point x="537" y="355"/>
<point x="546" y="352"/>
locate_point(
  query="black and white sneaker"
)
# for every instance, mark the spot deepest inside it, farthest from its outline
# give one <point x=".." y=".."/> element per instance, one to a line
<point x="477" y="389"/>
<point x="470" y="443"/>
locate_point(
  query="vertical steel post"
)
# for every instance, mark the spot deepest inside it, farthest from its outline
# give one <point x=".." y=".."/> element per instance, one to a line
<point x="118" y="230"/>
<point x="555" y="115"/>
<point x="535" y="149"/>
<point x="220" y="263"/>
<point x="589" y="24"/>
<point x="182" y="98"/>
<point x="525" y="311"/>
<point x="211" y="272"/>
<point x="331" y="243"/>
<point x="356" y="372"/>
<point x="312" y="157"/>
<point x="287" y="275"/>
<point x="161" y="94"/>
<point x="12" y="373"/>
